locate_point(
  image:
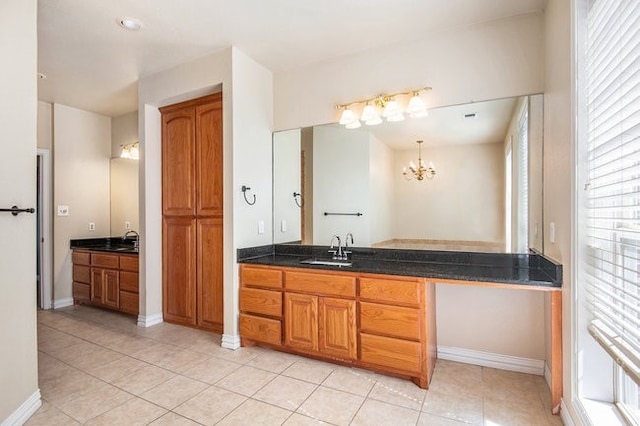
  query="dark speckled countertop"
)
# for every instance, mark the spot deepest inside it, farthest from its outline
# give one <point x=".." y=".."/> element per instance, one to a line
<point x="109" y="244"/>
<point x="531" y="269"/>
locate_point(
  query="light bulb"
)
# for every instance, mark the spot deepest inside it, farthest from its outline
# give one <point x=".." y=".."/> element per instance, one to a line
<point x="353" y="125"/>
<point x="416" y="108"/>
<point x="391" y="109"/>
<point x="347" y="116"/>
<point x="396" y="117"/>
<point x="370" y="116"/>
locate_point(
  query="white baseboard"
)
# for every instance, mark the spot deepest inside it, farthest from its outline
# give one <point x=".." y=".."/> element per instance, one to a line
<point x="62" y="303"/>
<point x="26" y="410"/>
<point x="230" y="341"/>
<point x="547" y="374"/>
<point x="486" y="359"/>
<point x="564" y="415"/>
<point x="149" y="320"/>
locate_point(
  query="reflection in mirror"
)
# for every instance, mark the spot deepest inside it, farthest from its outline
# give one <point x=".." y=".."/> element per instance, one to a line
<point x="486" y="195"/>
<point x="124" y="195"/>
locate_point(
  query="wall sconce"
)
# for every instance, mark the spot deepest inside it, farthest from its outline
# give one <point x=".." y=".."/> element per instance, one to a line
<point x="421" y="171"/>
<point x="383" y="106"/>
<point x="131" y="151"/>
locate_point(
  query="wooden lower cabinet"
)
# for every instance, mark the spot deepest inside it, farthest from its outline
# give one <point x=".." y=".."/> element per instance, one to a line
<point x="179" y="274"/>
<point x="209" y="279"/>
<point x="383" y="323"/>
<point x="106" y="279"/>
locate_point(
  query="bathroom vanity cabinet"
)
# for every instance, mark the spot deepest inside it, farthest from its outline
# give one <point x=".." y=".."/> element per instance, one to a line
<point x="106" y="279"/>
<point x="382" y="323"/>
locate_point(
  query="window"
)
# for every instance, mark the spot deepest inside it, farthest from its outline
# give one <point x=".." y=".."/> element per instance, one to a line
<point x="609" y="274"/>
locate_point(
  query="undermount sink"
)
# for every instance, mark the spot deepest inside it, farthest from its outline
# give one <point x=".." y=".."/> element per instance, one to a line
<point x="327" y="262"/>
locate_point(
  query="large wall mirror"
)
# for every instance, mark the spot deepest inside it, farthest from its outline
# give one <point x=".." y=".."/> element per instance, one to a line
<point x="486" y="194"/>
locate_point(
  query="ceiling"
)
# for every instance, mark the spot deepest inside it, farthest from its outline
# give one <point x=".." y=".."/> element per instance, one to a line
<point x="91" y="63"/>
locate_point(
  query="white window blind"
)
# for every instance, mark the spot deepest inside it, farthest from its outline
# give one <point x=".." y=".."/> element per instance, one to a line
<point x="613" y="199"/>
<point x="523" y="180"/>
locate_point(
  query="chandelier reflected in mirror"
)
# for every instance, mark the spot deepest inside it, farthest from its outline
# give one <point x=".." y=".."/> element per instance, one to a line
<point x="420" y="171"/>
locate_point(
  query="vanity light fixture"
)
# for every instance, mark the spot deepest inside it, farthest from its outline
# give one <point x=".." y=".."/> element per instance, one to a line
<point x="421" y="171"/>
<point x="131" y="151"/>
<point x="388" y="105"/>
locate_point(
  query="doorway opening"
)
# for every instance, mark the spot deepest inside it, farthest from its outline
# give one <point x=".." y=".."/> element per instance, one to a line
<point x="44" y="286"/>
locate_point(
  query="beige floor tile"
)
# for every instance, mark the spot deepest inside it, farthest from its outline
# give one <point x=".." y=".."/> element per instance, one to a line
<point x="74" y="353"/>
<point x="174" y="392"/>
<point x="173" y="419"/>
<point x="274" y="361"/>
<point x="332" y="406"/>
<point x="96" y="360"/>
<point x="212" y="370"/>
<point x="310" y="370"/>
<point x="129" y="345"/>
<point x="144" y="379"/>
<point x="427" y="419"/>
<point x="286" y="392"/>
<point x="514" y="412"/>
<point x="462" y="406"/>
<point x="122" y="367"/>
<point x="210" y="406"/>
<point x="352" y="380"/>
<point x="65" y="388"/>
<point x="397" y="391"/>
<point x="253" y="412"/>
<point x="297" y="419"/>
<point x="156" y="352"/>
<point x="51" y="417"/>
<point x="241" y="355"/>
<point x="54" y="340"/>
<point x="206" y="345"/>
<point x="182" y="361"/>
<point x="94" y="402"/>
<point x="246" y="380"/>
<point x="135" y="412"/>
<point x="380" y="413"/>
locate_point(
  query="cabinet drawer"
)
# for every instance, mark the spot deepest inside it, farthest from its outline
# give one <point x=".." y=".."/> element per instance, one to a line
<point x="392" y="291"/>
<point x="257" y="301"/>
<point x="261" y="277"/>
<point x="334" y="285"/>
<point x="81" y="292"/>
<point x="390" y="320"/>
<point x="129" y="302"/>
<point x="261" y="329"/>
<point x="82" y="274"/>
<point x="110" y="261"/>
<point x="129" y="263"/>
<point x="129" y="281"/>
<point x="388" y="352"/>
<point x="81" y="257"/>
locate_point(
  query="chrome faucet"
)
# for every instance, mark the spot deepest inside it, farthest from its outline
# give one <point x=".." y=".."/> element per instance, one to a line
<point x="347" y="252"/>
<point x="337" y="254"/>
<point x="136" y="242"/>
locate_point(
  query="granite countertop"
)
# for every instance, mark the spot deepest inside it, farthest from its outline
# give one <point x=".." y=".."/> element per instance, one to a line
<point x="108" y="244"/>
<point x="532" y="269"/>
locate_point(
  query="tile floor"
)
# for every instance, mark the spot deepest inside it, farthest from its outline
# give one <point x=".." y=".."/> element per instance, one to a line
<point x="99" y="368"/>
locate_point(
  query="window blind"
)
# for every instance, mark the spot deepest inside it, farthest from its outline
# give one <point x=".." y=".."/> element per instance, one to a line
<point x="523" y="180"/>
<point x="612" y="269"/>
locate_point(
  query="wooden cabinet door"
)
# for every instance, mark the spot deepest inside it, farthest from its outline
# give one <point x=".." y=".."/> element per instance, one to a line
<point x="208" y="119"/>
<point x="178" y="163"/>
<point x="110" y="288"/>
<point x="337" y="327"/>
<point x="209" y="275"/>
<point x="301" y="321"/>
<point x="179" y="270"/>
<point x="97" y="285"/>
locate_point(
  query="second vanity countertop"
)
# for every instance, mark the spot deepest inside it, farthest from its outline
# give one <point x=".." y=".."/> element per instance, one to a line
<point x="107" y="244"/>
<point x="531" y="269"/>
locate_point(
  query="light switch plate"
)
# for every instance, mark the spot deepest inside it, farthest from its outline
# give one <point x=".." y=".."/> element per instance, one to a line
<point x="92" y="226"/>
<point x="127" y="226"/>
<point x="283" y="226"/>
<point x="63" y="210"/>
<point x="552" y="233"/>
<point x="261" y="227"/>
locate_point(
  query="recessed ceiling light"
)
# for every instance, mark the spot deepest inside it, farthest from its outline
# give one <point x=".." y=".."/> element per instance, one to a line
<point x="129" y="23"/>
<point x="42" y="76"/>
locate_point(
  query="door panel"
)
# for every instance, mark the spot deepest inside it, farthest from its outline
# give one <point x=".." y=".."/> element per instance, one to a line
<point x="337" y="327"/>
<point x="179" y="270"/>
<point x="210" y="277"/>
<point x="178" y="163"/>
<point x="301" y="321"/>
<point x="209" y="159"/>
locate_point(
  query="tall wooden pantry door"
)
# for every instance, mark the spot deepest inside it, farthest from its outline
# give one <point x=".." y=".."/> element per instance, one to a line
<point x="192" y="216"/>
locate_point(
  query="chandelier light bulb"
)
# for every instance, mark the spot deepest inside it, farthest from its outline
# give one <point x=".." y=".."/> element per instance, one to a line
<point x="391" y="109"/>
<point x="370" y="115"/>
<point x="347" y="117"/>
<point x="416" y="107"/>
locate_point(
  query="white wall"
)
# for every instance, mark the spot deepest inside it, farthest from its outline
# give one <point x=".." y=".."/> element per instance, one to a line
<point x="19" y="394"/>
<point x="124" y="131"/>
<point x="124" y="195"/>
<point x="558" y="161"/>
<point x="340" y="184"/>
<point x="247" y="100"/>
<point x="82" y="147"/>
<point x="500" y="59"/>
<point x="463" y="202"/>
<point x="286" y="181"/>
<point x="45" y="122"/>
<point x="381" y="205"/>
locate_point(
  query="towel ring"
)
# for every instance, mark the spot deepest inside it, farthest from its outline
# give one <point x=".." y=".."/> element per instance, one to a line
<point x="300" y="202"/>
<point x="244" y="193"/>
